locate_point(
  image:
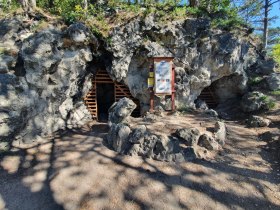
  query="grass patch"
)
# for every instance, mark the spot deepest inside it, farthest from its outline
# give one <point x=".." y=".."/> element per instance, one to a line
<point x="269" y="103"/>
<point x="2" y="50"/>
<point x="103" y="18"/>
<point x="8" y="51"/>
<point x="185" y="109"/>
<point x="275" y="92"/>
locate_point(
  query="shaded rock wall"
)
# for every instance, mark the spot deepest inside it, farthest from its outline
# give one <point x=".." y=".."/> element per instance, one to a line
<point x="43" y="92"/>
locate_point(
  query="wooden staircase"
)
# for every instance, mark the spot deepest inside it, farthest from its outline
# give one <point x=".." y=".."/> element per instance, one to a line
<point x="102" y="76"/>
<point x="209" y="97"/>
<point x="121" y="91"/>
<point x="91" y="101"/>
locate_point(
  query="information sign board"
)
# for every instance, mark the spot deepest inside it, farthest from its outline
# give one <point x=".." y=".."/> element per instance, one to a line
<point x="163" y="77"/>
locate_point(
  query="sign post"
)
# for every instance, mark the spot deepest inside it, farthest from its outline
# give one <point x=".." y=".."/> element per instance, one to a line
<point x="151" y="82"/>
<point x="161" y="79"/>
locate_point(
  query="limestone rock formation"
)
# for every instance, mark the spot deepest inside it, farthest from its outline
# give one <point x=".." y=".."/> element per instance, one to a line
<point x="253" y="101"/>
<point x="201" y="54"/>
<point x="273" y="81"/>
<point x="121" y="110"/>
<point x="211" y="112"/>
<point x="138" y="134"/>
<point x="160" y="147"/>
<point x="200" y="104"/>
<point x="45" y="74"/>
<point x="257" y="121"/>
<point x="44" y="91"/>
<point x="220" y="132"/>
<point x="137" y="141"/>
<point x="118" y="137"/>
<point x="134" y="138"/>
<point x="208" y="142"/>
<point x="189" y="136"/>
<point x="265" y="66"/>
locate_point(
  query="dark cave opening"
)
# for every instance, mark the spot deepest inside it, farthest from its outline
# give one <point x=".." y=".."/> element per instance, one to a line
<point x="105" y="99"/>
<point x="222" y="90"/>
<point x="208" y="95"/>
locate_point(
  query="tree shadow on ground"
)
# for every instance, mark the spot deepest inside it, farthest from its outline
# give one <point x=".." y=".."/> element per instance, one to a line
<point x="26" y="184"/>
<point x="75" y="171"/>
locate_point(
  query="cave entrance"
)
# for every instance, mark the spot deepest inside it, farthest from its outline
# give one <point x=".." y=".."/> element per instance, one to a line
<point x="224" y="89"/>
<point x="104" y="93"/>
<point x="105" y="99"/>
<point x="209" y="96"/>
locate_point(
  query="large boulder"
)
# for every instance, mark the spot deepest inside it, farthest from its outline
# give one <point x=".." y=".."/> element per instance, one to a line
<point x="211" y="112"/>
<point x="253" y="101"/>
<point x="265" y="66"/>
<point x="121" y="110"/>
<point x="138" y="134"/>
<point x="220" y="132"/>
<point x="118" y="137"/>
<point x="145" y="147"/>
<point x="190" y="153"/>
<point x="188" y="136"/>
<point x="208" y="142"/>
<point x="160" y="147"/>
<point x="273" y="81"/>
<point x="257" y="121"/>
<point x="200" y="104"/>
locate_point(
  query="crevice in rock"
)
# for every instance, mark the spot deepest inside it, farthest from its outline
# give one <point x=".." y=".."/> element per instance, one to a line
<point x="51" y="82"/>
<point x="19" y="68"/>
<point x="53" y="67"/>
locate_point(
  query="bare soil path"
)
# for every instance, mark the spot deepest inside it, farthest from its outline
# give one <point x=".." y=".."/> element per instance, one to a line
<point x="75" y="170"/>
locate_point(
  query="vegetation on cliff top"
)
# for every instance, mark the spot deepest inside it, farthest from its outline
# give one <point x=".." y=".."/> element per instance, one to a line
<point x="102" y="16"/>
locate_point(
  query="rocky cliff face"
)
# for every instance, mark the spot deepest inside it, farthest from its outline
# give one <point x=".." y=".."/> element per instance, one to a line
<point x="201" y="55"/>
<point x="44" y="75"/>
<point x="42" y="90"/>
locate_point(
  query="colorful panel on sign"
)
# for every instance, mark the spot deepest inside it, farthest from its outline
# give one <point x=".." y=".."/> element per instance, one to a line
<point x="163" y="74"/>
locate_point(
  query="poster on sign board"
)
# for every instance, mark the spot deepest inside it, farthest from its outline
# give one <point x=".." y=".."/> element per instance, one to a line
<point x="163" y="77"/>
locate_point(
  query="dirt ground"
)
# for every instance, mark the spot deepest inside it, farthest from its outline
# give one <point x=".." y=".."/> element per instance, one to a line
<point x="75" y="170"/>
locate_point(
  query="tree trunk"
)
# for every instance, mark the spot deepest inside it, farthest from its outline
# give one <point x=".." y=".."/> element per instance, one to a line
<point x="194" y="3"/>
<point x="265" y="23"/>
